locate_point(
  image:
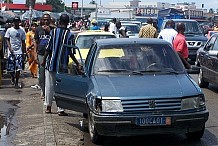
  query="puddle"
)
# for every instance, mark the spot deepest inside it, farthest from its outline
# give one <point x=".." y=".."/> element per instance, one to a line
<point x="7" y="121"/>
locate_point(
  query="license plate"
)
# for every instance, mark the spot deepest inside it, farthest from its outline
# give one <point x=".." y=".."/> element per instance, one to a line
<point x="153" y="121"/>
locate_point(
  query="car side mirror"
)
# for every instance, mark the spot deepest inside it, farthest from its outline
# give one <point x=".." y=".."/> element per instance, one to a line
<point x="193" y="70"/>
<point x="207" y="48"/>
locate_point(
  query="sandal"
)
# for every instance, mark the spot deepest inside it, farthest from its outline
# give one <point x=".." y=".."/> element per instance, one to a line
<point x="48" y="110"/>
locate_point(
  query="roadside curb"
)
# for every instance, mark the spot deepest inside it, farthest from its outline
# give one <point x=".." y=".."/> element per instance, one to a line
<point x="48" y="128"/>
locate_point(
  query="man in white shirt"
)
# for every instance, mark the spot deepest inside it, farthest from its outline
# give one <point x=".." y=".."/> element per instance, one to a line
<point x="112" y="27"/>
<point x="15" y="38"/>
<point x="169" y="33"/>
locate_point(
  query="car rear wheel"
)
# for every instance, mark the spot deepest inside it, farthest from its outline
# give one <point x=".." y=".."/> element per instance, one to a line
<point x="201" y="82"/>
<point x="95" y="137"/>
<point x="195" y="135"/>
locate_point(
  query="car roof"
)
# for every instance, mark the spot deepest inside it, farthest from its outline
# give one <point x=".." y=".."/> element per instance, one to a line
<point x="95" y="32"/>
<point x="125" y="23"/>
<point x="183" y="20"/>
<point x="124" y="41"/>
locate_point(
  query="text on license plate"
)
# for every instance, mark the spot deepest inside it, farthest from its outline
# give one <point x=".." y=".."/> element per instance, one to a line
<point x="149" y="121"/>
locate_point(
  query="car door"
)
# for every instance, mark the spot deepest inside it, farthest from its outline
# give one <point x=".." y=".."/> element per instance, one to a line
<point x="205" y="59"/>
<point x="71" y="86"/>
<point x="212" y="55"/>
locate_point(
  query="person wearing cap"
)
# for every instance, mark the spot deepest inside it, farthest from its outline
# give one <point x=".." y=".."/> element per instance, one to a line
<point x="94" y="25"/>
<point x="15" y="38"/>
<point x="62" y="35"/>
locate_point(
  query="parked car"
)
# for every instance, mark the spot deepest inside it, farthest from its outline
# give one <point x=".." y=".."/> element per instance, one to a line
<point x="210" y="33"/>
<point x="195" y="37"/>
<point x="132" y="87"/>
<point x="132" y="30"/>
<point x="85" y="39"/>
<point x="207" y="59"/>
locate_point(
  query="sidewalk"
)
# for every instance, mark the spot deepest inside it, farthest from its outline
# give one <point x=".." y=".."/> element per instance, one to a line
<point x="32" y="127"/>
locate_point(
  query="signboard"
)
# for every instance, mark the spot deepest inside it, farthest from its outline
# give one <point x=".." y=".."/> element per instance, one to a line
<point x="75" y="5"/>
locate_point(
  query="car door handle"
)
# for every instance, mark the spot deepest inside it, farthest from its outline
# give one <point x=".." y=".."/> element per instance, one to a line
<point x="58" y="80"/>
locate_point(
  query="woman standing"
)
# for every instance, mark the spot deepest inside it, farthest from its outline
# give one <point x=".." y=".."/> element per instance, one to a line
<point x="31" y="50"/>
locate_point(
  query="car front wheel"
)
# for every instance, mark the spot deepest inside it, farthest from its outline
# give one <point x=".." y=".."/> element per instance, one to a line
<point x="95" y="137"/>
<point x="201" y="82"/>
<point x="195" y="135"/>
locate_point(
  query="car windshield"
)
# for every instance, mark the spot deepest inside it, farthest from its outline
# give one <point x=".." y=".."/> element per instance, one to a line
<point x="85" y="41"/>
<point x="137" y="59"/>
<point x="132" y="28"/>
<point x="191" y="27"/>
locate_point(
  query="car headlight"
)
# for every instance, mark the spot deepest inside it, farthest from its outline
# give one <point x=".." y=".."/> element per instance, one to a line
<point x="112" y="106"/>
<point x="192" y="103"/>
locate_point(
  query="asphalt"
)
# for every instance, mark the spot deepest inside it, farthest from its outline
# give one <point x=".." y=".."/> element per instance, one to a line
<point x="30" y="125"/>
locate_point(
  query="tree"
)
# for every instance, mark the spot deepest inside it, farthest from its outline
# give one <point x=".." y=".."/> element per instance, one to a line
<point x="8" y="1"/>
<point x="57" y="5"/>
<point x="211" y="10"/>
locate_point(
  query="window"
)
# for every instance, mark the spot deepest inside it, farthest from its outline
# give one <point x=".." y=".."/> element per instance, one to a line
<point x="215" y="46"/>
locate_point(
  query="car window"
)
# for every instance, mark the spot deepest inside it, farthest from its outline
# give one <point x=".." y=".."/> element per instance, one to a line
<point x="215" y="46"/>
<point x="85" y="41"/>
<point x="138" y="57"/>
<point x="191" y="27"/>
<point x="65" y="66"/>
<point x="210" y="43"/>
<point x="132" y="28"/>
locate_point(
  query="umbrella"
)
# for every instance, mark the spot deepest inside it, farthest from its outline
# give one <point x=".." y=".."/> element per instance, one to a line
<point x="35" y="15"/>
<point x="9" y="15"/>
<point x="65" y="12"/>
<point x="52" y="14"/>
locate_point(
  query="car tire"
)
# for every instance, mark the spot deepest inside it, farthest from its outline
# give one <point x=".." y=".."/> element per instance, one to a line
<point x="195" y="135"/>
<point x="95" y="137"/>
<point x="201" y="82"/>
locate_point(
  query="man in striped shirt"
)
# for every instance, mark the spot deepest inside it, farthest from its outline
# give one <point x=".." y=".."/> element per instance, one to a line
<point x="148" y="31"/>
<point x="58" y="36"/>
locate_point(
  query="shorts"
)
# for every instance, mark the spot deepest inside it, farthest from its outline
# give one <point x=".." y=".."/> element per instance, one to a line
<point x="15" y="63"/>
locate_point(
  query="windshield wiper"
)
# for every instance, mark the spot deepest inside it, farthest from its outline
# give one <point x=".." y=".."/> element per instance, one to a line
<point x="113" y="70"/>
<point x="170" y="70"/>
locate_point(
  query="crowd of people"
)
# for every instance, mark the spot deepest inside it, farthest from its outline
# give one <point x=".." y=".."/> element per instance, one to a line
<point x="36" y="44"/>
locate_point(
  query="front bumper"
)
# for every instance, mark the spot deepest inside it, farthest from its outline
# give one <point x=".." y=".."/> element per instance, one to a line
<point x="125" y="125"/>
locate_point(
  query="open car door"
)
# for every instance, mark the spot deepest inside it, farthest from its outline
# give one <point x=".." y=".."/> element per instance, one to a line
<point x="71" y="86"/>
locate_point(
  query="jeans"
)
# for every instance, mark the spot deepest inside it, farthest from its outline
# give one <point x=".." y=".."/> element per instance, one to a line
<point x="41" y="75"/>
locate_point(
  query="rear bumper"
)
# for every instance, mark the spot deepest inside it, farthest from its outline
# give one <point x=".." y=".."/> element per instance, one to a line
<point x="112" y="125"/>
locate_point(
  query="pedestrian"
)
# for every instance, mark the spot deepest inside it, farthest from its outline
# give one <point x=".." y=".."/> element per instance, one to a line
<point x="148" y="31"/>
<point x="1" y="57"/>
<point x="31" y="50"/>
<point x="112" y="27"/>
<point x="94" y="25"/>
<point x="62" y="35"/>
<point x="121" y="30"/>
<point x="180" y="45"/>
<point x="15" y="37"/>
<point x="169" y="33"/>
<point x="4" y="47"/>
<point x="41" y="40"/>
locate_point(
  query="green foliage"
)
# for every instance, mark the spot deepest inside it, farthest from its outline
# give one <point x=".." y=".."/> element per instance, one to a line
<point x="8" y="1"/>
<point x="57" y="5"/>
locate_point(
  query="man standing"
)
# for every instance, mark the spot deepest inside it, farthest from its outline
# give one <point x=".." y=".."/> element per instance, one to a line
<point x="41" y="40"/>
<point x="15" y="37"/>
<point x="62" y="35"/>
<point x="148" y="31"/>
<point x="180" y="45"/>
<point x="169" y="33"/>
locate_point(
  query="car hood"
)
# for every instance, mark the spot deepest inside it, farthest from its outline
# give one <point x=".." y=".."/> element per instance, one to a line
<point x="194" y="37"/>
<point x="146" y="85"/>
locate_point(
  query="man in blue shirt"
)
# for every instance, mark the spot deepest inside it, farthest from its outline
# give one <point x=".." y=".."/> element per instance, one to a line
<point x="58" y="36"/>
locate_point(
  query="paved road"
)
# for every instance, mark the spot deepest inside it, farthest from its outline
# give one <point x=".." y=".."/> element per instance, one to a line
<point x="210" y="137"/>
<point x="28" y="125"/>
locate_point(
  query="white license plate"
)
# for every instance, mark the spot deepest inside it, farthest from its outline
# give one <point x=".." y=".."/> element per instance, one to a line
<point x="153" y="121"/>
